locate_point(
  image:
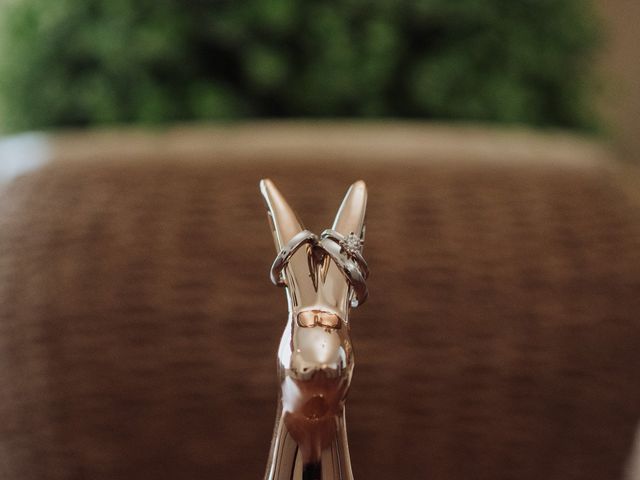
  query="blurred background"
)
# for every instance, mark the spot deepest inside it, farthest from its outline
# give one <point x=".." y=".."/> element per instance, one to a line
<point x="132" y="62"/>
<point x="567" y="64"/>
<point x="499" y="140"/>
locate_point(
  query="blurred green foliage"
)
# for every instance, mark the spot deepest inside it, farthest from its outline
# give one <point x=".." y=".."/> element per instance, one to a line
<point x="85" y="62"/>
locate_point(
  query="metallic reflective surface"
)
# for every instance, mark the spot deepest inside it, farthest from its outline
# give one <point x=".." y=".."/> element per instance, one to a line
<point x="315" y="357"/>
<point x="344" y="251"/>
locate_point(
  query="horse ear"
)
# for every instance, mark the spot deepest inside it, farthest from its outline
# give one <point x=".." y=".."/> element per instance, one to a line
<point x="351" y="214"/>
<point x="282" y="219"/>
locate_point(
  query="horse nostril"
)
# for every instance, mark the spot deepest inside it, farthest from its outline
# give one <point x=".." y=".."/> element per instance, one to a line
<point x="316" y="407"/>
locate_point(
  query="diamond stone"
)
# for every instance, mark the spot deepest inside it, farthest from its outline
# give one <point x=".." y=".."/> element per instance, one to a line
<point x="352" y="244"/>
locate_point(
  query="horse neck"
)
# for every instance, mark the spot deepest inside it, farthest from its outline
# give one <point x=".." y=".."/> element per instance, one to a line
<point x="288" y="459"/>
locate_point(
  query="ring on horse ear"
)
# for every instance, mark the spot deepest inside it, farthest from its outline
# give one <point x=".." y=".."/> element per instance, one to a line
<point x="344" y="251"/>
<point x="353" y="268"/>
<point x="351" y="245"/>
<point x="282" y="259"/>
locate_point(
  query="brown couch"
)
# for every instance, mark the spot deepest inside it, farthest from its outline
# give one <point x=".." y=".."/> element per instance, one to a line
<point x="501" y="339"/>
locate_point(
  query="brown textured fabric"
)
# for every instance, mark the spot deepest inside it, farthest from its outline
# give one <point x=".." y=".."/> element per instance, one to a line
<point x="138" y="327"/>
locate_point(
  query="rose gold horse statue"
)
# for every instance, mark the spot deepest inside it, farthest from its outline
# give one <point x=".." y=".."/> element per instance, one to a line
<point x="324" y="276"/>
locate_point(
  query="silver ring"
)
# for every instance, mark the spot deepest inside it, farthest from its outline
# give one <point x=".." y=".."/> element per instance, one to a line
<point x="351" y="246"/>
<point x="299" y="239"/>
<point x="349" y="267"/>
<point x="345" y="253"/>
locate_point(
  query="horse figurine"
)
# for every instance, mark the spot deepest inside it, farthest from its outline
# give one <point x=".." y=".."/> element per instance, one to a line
<point x="324" y="276"/>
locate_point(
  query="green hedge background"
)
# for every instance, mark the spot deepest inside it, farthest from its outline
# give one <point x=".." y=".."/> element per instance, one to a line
<point x="89" y="62"/>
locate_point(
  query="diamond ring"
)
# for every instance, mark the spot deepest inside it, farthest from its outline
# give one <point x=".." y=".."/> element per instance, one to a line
<point x="351" y="245"/>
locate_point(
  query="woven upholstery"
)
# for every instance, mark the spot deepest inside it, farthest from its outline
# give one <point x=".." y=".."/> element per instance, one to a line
<point x="138" y="327"/>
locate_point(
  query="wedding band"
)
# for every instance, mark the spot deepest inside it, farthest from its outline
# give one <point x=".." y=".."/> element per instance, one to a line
<point x="345" y="253"/>
<point x="299" y="239"/>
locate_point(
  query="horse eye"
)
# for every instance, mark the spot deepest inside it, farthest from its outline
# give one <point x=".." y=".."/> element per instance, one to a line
<point x="307" y="318"/>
